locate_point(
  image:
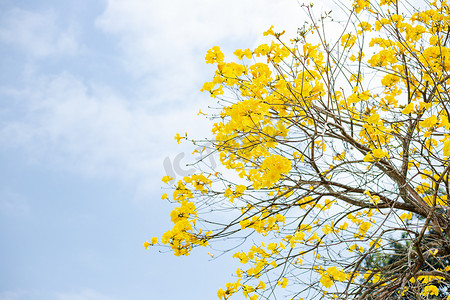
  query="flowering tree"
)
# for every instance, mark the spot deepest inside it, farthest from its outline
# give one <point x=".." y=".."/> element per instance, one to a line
<point x="335" y="160"/>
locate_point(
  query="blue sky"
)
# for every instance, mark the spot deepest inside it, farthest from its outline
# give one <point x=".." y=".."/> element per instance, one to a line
<point x="91" y="95"/>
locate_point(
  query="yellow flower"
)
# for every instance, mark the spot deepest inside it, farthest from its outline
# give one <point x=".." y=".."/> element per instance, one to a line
<point x="430" y="290"/>
<point x="261" y="285"/>
<point x="379" y="153"/>
<point x="406" y="216"/>
<point x="262" y="50"/>
<point x="146" y="245"/>
<point x="269" y="31"/>
<point x="356" y="247"/>
<point x="327" y="229"/>
<point x="376" y="154"/>
<point x="434" y="40"/>
<point x="364" y="227"/>
<point x="214" y="55"/>
<point x="178" y="138"/>
<point x="360" y="5"/>
<point x="446" y="148"/>
<point x="428" y="122"/>
<point x="207" y="86"/>
<point x="348" y="40"/>
<point x="376" y="245"/>
<point x="336" y="274"/>
<point x="221" y="293"/>
<point x="343" y="226"/>
<point x="166" y="179"/>
<point x="283" y="282"/>
<point x="388" y="2"/>
<point x="365" y="26"/>
<point x="368" y="157"/>
<point x="241" y="53"/>
<point x="340" y="156"/>
<point x="326" y="280"/>
<point x="408" y="108"/>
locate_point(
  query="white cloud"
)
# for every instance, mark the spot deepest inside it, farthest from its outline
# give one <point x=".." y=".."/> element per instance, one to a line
<point x="157" y="34"/>
<point x="38" y="34"/>
<point x="68" y="124"/>
<point x="164" y="42"/>
<point x="76" y="124"/>
<point x="83" y="295"/>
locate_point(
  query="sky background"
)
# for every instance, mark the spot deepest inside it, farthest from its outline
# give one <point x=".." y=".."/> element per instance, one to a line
<point x="92" y="93"/>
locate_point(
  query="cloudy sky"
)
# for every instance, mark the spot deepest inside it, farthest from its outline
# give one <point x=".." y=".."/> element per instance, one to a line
<point x="92" y="93"/>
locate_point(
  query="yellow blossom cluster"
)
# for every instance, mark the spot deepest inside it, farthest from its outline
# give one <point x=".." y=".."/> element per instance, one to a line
<point x="336" y="159"/>
<point x="183" y="235"/>
<point x="331" y="275"/>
